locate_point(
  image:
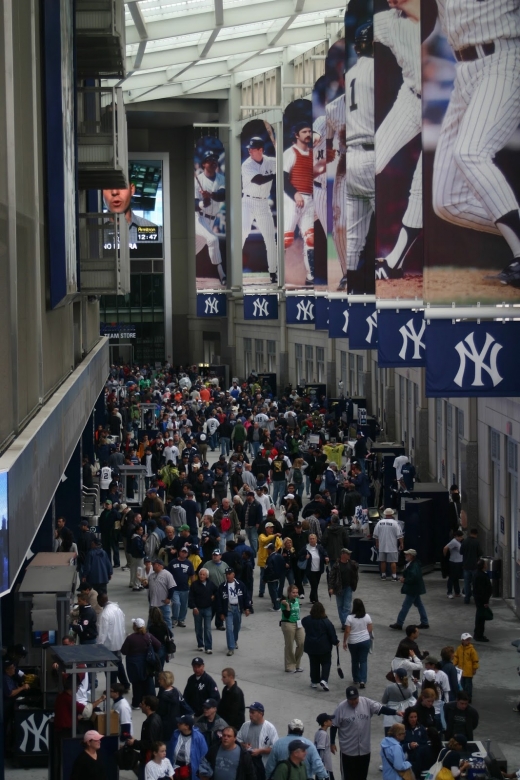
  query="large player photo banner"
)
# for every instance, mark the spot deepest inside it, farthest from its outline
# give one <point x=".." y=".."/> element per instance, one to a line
<point x="319" y="150"/>
<point x="471" y="137"/>
<point x="356" y="223"/>
<point x="210" y="213"/>
<point x="298" y="182"/>
<point x="398" y="149"/>
<point x="259" y="217"/>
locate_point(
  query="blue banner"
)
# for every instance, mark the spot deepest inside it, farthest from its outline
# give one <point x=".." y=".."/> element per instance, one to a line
<point x="339" y="316"/>
<point x="300" y="310"/>
<point x="211" y="305"/>
<point x="321" y="314"/>
<point x="362" y="331"/>
<point x="466" y="359"/>
<point x="260" y="307"/>
<point x="400" y="338"/>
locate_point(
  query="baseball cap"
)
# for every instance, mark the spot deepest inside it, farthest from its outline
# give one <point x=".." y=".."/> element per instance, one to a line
<point x="401" y="672"/>
<point x="322" y="717"/>
<point x="271" y="513"/>
<point x="289" y="495"/>
<point x="298" y="524"/>
<point x="429" y="674"/>
<point x="389" y="512"/>
<point x="8" y="662"/>
<point x="250" y="493"/>
<point x="270" y="546"/>
<point x="256" y="143"/>
<point x="158" y="560"/>
<point x="461" y="739"/>
<point x="125" y="506"/>
<point x="88" y="735"/>
<point x="197" y="661"/>
<point x="345" y="550"/>
<point x="297" y="744"/>
<point x="209" y="703"/>
<point x="466" y="636"/>
<point x="411" y="551"/>
<point x="146" y="559"/>
<point x="139" y="622"/>
<point x="229" y="570"/>
<point x="269" y="524"/>
<point x="296" y="723"/>
<point x="216" y="551"/>
<point x="184" y="527"/>
<point x="187" y="719"/>
<point x="256" y="706"/>
<point x="108" y="502"/>
<point x="209" y="155"/>
<point x="84" y="522"/>
<point x="352" y="692"/>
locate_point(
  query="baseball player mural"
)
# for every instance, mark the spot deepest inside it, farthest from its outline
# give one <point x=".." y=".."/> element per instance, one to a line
<point x="475" y="179"/>
<point x="298" y="171"/>
<point x="210" y="226"/>
<point x="319" y="151"/>
<point x="259" y="203"/>
<point x="398" y="28"/>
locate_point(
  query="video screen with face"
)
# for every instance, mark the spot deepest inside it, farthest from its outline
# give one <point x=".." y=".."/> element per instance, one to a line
<point x="142" y="204"/>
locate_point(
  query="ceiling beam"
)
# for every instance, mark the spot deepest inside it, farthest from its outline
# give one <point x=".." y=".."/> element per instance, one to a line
<point x="138" y="19"/>
<point x="219" y="13"/>
<point x="140" y="54"/>
<point x="209" y="43"/>
<point x="177" y="90"/>
<point x="266" y="11"/>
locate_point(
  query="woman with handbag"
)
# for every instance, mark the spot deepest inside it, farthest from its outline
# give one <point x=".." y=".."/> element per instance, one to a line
<point x="357" y="638"/>
<point x="399" y="695"/>
<point x="135" y="648"/>
<point x="292" y="630"/>
<point x="395" y="766"/>
<point x="454" y="758"/>
<point x="320" y="638"/>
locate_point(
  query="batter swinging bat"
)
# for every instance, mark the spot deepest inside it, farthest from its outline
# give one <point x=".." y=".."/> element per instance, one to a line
<point x="270" y="133"/>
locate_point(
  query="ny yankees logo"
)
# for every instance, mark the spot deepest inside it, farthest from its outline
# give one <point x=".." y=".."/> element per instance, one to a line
<point x="345" y="326"/>
<point x="372" y="324"/>
<point x="408" y="332"/>
<point x="260" y="308"/>
<point x="38" y="731"/>
<point x="305" y="310"/>
<point x="478" y="359"/>
<point x="211" y="306"/>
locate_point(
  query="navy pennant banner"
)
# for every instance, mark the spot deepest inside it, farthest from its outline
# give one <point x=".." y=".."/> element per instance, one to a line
<point x="260" y="307"/>
<point x="300" y="310"/>
<point x="466" y="359"/>
<point x="211" y="305"/>
<point x="339" y="318"/>
<point x="321" y="314"/>
<point x="400" y="338"/>
<point x="362" y="332"/>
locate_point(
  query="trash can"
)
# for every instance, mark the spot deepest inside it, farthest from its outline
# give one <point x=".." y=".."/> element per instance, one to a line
<point x="494" y="572"/>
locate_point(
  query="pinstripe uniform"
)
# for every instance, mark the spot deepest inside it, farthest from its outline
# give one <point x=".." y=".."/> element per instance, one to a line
<point x="336" y="117"/>
<point x="205" y="219"/>
<point x="482" y="116"/>
<point x="403" y="122"/>
<point x="256" y="207"/>
<point x="298" y="161"/>
<point x="320" y="182"/>
<point x="360" y="159"/>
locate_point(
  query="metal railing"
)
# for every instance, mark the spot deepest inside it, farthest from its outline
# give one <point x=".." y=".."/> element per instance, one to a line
<point x="104" y="254"/>
<point x="102" y="138"/>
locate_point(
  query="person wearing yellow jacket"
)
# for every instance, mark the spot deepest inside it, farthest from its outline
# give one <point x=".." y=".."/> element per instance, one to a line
<point x="334" y="452"/>
<point x="263" y="540"/>
<point x="466" y="658"/>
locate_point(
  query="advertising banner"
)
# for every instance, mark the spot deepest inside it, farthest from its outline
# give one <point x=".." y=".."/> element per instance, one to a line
<point x="335" y="158"/>
<point x="142" y="205"/>
<point x="321" y="313"/>
<point x="362" y="329"/>
<point x="471" y="118"/>
<point x="466" y="359"/>
<point x="319" y="148"/>
<point x="260" y="307"/>
<point x="298" y="184"/>
<point x="300" y="310"/>
<point x="356" y="205"/>
<point x="210" y="212"/>
<point x="211" y="305"/>
<point x="339" y="317"/>
<point x="400" y="338"/>
<point x="398" y="150"/>
<point x="259" y="213"/>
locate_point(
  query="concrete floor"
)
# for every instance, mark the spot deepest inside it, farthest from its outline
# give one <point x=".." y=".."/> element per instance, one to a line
<point x="260" y="671"/>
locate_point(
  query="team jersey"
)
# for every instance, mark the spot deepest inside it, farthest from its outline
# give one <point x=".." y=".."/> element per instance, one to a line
<point x="319" y="151"/>
<point x="469" y="23"/>
<point x="336" y="117"/>
<point x="387" y="532"/>
<point x="299" y="165"/>
<point x="210" y="185"/>
<point x="403" y="37"/>
<point x="250" y="169"/>
<point x="359" y="94"/>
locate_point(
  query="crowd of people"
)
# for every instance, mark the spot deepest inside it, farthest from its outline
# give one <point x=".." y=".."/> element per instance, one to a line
<point x="270" y="516"/>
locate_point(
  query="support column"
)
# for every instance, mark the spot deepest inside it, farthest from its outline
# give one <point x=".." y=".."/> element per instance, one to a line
<point x="469" y="480"/>
<point x="283" y="355"/>
<point x="331" y="375"/>
<point x="421" y="444"/>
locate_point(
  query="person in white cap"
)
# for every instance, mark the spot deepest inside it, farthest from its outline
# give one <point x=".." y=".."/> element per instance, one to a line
<point x="389" y="541"/>
<point x="88" y="765"/>
<point x="280" y="751"/>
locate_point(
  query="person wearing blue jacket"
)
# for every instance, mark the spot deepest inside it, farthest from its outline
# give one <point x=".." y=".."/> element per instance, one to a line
<point x="98" y="568"/>
<point x="187" y="746"/>
<point x="320" y="638"/>
<point x="392" y="753"/>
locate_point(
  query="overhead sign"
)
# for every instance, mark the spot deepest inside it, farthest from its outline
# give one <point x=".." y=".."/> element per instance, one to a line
<point x="401" y="339"/>
<point x="321" y="314"/>
<point x="212" y="305"/>
<point x="339" y="316"/>
<point x="260" y="307"/>
<point x="300" y="310"/>
<point x="363" y="330"/>
<point x="117" y="330"/>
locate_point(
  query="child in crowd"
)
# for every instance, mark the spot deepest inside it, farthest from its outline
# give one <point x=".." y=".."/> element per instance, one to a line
<point x="466" y="658"/>
<point x="322" y="742"/>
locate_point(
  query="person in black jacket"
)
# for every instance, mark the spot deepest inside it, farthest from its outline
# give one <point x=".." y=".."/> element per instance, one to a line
<point x="216" y="756"/>
<point x="482" y="592"/>
<point x="200" y="686"/>
<point x="232" y="705"/>
<point x="316" y="557"/>
<point x="250" y="519"/>
<point x="274" y="574"/>
<point x="200" y="599"/>
<point x="320" y="638"/>
<point x="232" y="602"/>
<point x="85" y="627"/>
<point x="461" y="717"/>
<point x="151" y="731"/>
<point x="171" y="704"/>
